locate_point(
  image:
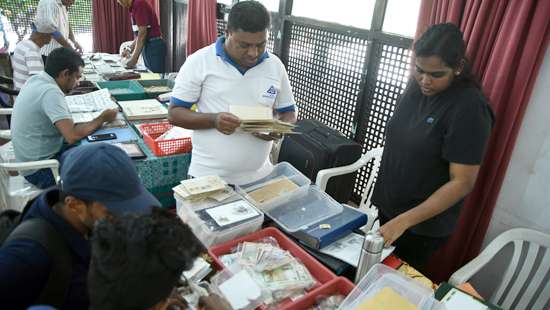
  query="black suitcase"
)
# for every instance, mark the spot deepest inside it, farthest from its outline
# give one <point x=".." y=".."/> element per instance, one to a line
<point x="319" y="147"/>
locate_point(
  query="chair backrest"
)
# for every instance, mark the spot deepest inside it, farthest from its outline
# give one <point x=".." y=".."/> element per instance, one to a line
<point x="376" y="156"/>
<point x="525" y="282"/>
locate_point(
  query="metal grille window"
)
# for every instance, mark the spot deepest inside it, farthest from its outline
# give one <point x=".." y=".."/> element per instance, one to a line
<point x="20" y="13"/>
<point x="384" y="89"/>
<point x="325" y="69"/>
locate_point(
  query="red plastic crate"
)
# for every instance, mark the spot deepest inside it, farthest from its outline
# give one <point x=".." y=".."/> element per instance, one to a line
<point x="318" y="271"/>
<point x="165" y="147"/>
<point x="340" y="285"/>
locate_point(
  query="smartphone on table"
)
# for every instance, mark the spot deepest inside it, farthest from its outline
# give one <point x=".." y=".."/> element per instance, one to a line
<point x="101" y="137"/>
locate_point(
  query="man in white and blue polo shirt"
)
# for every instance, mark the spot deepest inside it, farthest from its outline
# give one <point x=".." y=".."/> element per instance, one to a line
<point x="236" y="70"/>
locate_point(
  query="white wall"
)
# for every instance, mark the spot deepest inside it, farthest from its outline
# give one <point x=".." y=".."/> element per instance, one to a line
<point x="524" y="200"/>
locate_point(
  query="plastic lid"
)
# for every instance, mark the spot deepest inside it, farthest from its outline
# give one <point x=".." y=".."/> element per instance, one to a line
<point x="374" y="242"/>
<point x="304" y="208"/>
<point x="380" y="277"/>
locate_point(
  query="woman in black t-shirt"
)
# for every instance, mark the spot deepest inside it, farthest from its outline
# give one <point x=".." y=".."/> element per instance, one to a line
<point x="435" y="142"/>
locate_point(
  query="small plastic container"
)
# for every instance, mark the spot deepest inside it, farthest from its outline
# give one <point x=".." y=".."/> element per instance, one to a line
<point x="380" y="277"/>
<point x="165" y="147"/>
<point x="146" y="84"/>
<point x="338" y="286"/>
<point x="211" y="234"/>
<point x="124" y="90"/>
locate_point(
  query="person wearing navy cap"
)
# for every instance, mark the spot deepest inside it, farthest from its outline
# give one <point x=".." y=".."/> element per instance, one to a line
<point x="97" y="181"/>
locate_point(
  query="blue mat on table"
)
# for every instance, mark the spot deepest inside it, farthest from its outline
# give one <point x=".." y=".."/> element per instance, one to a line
<point x="124" y="134"/>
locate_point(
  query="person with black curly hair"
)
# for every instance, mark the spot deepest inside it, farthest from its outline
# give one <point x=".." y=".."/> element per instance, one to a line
<point x="137" y="261"/>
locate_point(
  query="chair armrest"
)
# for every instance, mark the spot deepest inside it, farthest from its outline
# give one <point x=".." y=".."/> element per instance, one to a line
<point x="324" y="175"/>
<point x="34" y="165"/>
<point x="6" y="80"/>
<point x="471" y="268"/>
<point x="6" y="111"/>
<point x="467" y="271"/>
<point x="5" y="134"/>
<point x="9" y="91"/>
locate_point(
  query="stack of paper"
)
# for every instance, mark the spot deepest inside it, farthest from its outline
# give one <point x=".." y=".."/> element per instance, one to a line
<point x="203" y="187"/>
<point x="200" y="269"/>
<point x="165" y="97"/>
<point x="348" y="249"/>
<point x="143" y="109"/>
<point x="259" y="119"/>
<point x="273" y="189"/>
<point x="84" y="117"/>
<point x="175" y="133"/>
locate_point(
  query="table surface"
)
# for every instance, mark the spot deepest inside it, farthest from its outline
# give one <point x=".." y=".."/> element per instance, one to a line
<point x="158" y="174"/>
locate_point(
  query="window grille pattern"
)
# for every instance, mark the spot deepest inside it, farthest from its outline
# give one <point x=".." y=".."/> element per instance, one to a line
<point x="326" y="71"/>
<point x="392" y="72"/>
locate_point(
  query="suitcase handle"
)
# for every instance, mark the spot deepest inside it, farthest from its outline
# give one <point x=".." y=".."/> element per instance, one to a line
<point x="321" y="133"/>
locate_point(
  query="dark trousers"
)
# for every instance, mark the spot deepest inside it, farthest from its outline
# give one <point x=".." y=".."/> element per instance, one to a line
<point x="154" y="55"/>
<point x="413" y="248"/>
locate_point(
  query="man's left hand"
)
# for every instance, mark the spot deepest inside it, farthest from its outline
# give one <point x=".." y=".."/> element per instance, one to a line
<point x="267" y="136"/>
<point x="392" y="230"/>
<point x="77" y="47"/>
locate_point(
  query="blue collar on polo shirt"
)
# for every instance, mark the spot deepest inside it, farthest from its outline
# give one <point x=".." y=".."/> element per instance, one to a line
<point x="221" y="52"/>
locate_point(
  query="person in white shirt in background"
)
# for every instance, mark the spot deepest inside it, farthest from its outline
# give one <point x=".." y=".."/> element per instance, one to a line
<point x="26" y="60"/>
<point x="236" y="70"/>
<point x="54" y="13"/>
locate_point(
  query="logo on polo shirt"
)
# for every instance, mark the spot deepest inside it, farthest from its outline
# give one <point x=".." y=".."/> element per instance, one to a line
<point x="270" y="93"/>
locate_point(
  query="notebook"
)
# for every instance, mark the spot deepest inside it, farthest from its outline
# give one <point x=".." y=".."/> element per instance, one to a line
<point x="143" y="109"/>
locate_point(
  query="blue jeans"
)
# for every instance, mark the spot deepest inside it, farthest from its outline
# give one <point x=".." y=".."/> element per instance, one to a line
<point x="43" y="178"/>
<point x="154" y="54"/>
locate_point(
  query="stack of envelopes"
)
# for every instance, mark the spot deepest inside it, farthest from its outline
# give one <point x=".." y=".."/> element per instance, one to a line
<point x="203" y="187"/>
<point x="259" y="119"/>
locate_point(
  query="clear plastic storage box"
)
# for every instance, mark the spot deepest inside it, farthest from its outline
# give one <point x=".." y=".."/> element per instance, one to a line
<point x="206" y="223"/>
<point x="293" y="209"/>
<point x="381" y="276"/>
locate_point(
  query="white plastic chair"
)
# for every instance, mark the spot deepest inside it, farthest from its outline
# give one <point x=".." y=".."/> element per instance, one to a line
<point x="517" y="274"/>
<point x="365" y="205"/>
<point x="15" y="190"/>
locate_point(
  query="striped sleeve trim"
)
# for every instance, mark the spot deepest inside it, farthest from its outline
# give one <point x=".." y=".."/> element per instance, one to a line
<point x="286" y="109"/>
<point x="181" y="103"/>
